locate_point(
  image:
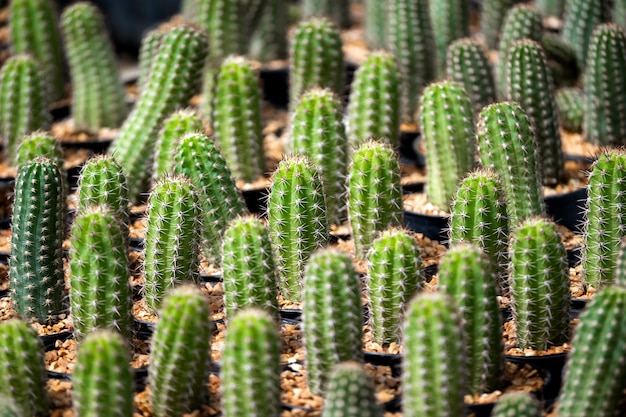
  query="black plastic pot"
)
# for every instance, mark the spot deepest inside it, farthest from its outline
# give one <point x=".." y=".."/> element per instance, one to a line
<point x="568" y="209"/>
<point x="407" y="149"/>
<point x="433" y="227"/>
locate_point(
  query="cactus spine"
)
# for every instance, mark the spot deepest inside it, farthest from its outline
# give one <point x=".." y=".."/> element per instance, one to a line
<point x="450" y="21"/>
<point x="39" y="143"/>
<point x="148" y="51"/>
<point x="336" y="10"/>
<point x="351" y="393"/>
<point x="519" y="404"/>
<point x="580" y="19"/>
<point x="491" y="19"/>
<point x="571" y="106"/>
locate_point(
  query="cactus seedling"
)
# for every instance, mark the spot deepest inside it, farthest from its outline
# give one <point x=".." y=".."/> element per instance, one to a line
<point x="571" y="106"/>
<point x="580" y="19"/>
<point x="520" y="404"/>
<point x="351" y="393"/>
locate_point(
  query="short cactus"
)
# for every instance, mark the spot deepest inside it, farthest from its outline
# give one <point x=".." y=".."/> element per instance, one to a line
<point x="517" y="404"/>
<point x="336" y="10"/>
<point x="450" y="21"/>
<point x="580" y="18"/>
<point x="491" y="19"/>
<point x="180" y="353"/>
<point x="375" y="23"/>
<point x="148" y="50"/>
<point x="351" y="393"/>
<point x="39" y="143"/>
<point x="332" y="315"/>
<point x="570" y="103"/>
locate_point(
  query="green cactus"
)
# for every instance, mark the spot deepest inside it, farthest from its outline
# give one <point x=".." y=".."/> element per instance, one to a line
<point x="332" y="315"/>
<point x="410" y="38"/>
<point x="249" y="271"/>
<point x="148" y="51"/>
<point x="351" y="393"/>
<point x="516" y="163"/>
<point x="619" y="13"/>
<point x="23" y="376"/>
<point x="39" y="143"/>
<point x="450" y="21"/>
<point x="173" y="235"/>
<point x="336" y="10"/>
<point x="434" y="376"/>
<point x="375" y="24"/>
<point x="103" y="357"/>
<point x="180" y="353"/>
<point x="189" y="10"/>
<point x="374" y="194"/>
<point x="620" y="269"/>
<point x="467" y="276"/>
<point x="394" y="277"/>
<point x="269" y="41"/>
<point x="447" y="124"/>
<point x="100" y="293"/>
<point x="491" y="19"/>
<point x="36" y="262"/>
<point x="580" y="19"/>
<point x="98" y="97"/>
<point x="251" y="365"/>
<point x="23" y="102"/>
<point x="595" y="373"/>
<point x="8" y="408"/>
<point x="34" y="30"/>
<point x="173" y="78"/>
<point x="605" y="87"/>
<point x="550" y="8"/>
<point x="529" y="83"/>
<point x="297" y="220"/>
<point x="374" y="107"/>
<point x="517" y="404"/>
<point x="316" y="58"/>
<point x="562" y="60"/>
<point x="570" y="103"/>
<point x="220" y="201"/>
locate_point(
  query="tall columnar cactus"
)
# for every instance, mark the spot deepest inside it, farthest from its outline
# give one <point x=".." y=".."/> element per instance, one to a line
<point x="180" y="353"/>
<point x="570" y="103"/>
<point x="249" y="271"/>
<point x="375" y="23"/>
<point x="394" y="277"/>
<point x="539" y="285"/>
<point x="332" y="315"/>
<point x="410" y="38"/>
<point x="172" y="83"/>
<point x="491" y="20"/>
<point x="580" y="18"/>
<point x="374" y="107"/>
<point x="447" y="124"/>
<point x="530" y="84"/>
<point x="34" y="30"/>
<point x="269" y="41"/>
<point x="39" y="143"/>
<point x="450" y="21"/>
<point x="23" y="102"/>
<point x="36" y="263"/>
<point x="517" y="404"/>
<point x="23" y="376"/>
<point x="251" y="365"/>
<point x="317" y="131"/>
<point x="100" y="293"/>
<point x="374" y="193"/>
<point x="297" y="220"/>
<point x="103" y="357"/>
<point x="237" y="118"/>
<point x="605" y="87"/>
<point x="173" y="235"/>
<point x="467" y="276"/>
<point x="605" y="218"/>
<point x="351" y="393"/>
<point x="336" y="10"/>
<point x="148" y="50"/>
<point x="468" y="65"/>
<point x="316" y="58"/>
<point x="434" y="374"/>
<point x="98" y="97"/>
<point x="516" y="163"/>
<point x="595" y="373"/>
<point x="197" y="158"/>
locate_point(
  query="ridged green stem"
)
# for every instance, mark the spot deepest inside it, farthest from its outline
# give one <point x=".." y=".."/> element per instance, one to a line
<point x="39" y="143"/>
<point x="520" y="404"/>
<point x="336" y="10"/>
<point x="375" y="23"/>
<point x="351" y="393"/>
<point x="148" y="51"/>
<point x="491" y="18"/>
<point x="450" y="21"/>
<point x="571" y="106"/>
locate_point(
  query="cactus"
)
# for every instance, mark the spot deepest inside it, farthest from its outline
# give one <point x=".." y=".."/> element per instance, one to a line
<point x="103" y="356"/>
<point x="605" y="85"/>
<point x="180" y="353"/>
<point x="394" y="277"/>
<point x="23" y="376"/>
<point x="297" y="220"/>
<point x="197" y="158"/>
<point x="580" y="18"/>
<point x="332" y="315"/>
<point x="317" y="131"/>
<point x="466" y="275"/>
<point x="619" y="13"/>
<point x="562" y="60"/>
<point x="237" y="119"/>
<point x="100" y="293"/>
<point x="36" y="263"/>
<point x="374" y="107"/>
<point x="517" y="404"/>
<point x="351" y="393"/>
<point x="375" y="24"/>
<point x="336" y="10"/>
<point x="34" y="30"/>
<point x="551" y="8"/>
<point x="468" y="65"/>
<point x="539" y="284"/>
<point x="269" y="41"/>
<point x="173" y="234"/>
<point x="570" y="103"/>
<point x="251" y="365"/>
<point x="8" y="408"/>
<point x="374" y="194"/>
<point x="189" y="10"/>
<point x="148" y="51"/>
<point x="23" y="102"/>
<point x="316" y="58"/>
<point x="249" y="272"/>
<point x="491" y="20"/>
<point x="174" y="75"/>
<point x="447" y="125"/>
<point x="450" y="21"/>
<point x="39" y="143"/>
<point x="605" y="218"/>
<point x="620" y="269"/>
<point x="529" y="83"/>
<point x="98" y="97"/>
<point x="410" y="38"/>
<point x="516" y="163"/>
<point x="595" y="372"/>
<point x="434" y="367"/>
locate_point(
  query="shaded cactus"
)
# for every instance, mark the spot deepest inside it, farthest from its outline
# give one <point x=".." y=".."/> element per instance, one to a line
<point x="580" y="18"/>
<point x="103" y="356"/>
<point x="36" y="263"/>
<point x="351" y="393"/>
<point x="39" y="143"/>
<point x="562" y="60"/>
<point x="517" y="404"/>
<point x="450" y="21"/>
<point x="491" y="19"/>
<point x="148" y="51"/>
<point x="251" y="365"/>
<point x="620" y="272"/>
<point x="375" y="23"/>
<point x="570" y="103"/>
<point x="550" y="8"/>
<point x="269" y="41"/>
<point x="8" y="408"/>
<point x="180" y="353"/>
<point x="619" y="13"/>
<point x="336" y="10"/>
<point x="332" y="315"/>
